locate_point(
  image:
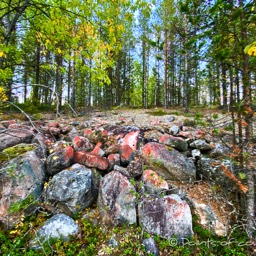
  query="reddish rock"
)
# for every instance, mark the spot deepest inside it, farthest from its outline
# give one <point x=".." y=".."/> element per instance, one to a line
<point x="66" y="129"/>
<point x="113" y="149"/>
<point x="116" y="200"/>
<point x="167" y="217"/>
<point x="113" y="159"/>
<point x="87" y="133"/>
<point x="98" y="150"/>
<point x="54" y="131"/>
<point x="104" y="133"/>
<point x="12" y="137"/>
<point x="186" y="134"/>
<point x="19" y="126"/>
<point x="43" y="140"/>
<point x="131" y="139"/>
<point x="60" y="160"/>
<point x="153" y="182"/>
<point x="127" y="154"/>
<point x="54" y="124"/>
<point x="81" y="144"/>
<point x="175" y="142"/>
<point x="120" y="136"/>
<point x="170" y="164"/>
<point x="91" y="160"/>
<point x="7" y="123"/>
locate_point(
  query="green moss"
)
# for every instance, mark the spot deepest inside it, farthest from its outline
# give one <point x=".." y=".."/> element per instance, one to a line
<point x="12" y="152"/>
<point x="158" y="112"/>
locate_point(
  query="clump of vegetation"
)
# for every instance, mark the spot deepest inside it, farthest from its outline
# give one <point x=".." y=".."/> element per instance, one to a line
<point x="157" y="112"/>
<point x="176" y="113"/>
<point x="122" y="240"/>
<point x="12" y="152"/>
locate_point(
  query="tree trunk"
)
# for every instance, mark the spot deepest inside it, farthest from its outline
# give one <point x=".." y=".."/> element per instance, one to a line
<point x="165" y="68"/>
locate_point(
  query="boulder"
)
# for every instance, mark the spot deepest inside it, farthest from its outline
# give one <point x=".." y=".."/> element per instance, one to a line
<point x="175" y="142"/>
<point x="60" y="227"/>
<point x="167" y="217"/>
<point x="174" y="130"/>
<point x="196" y="153"/>
<point x="126" y="154"/>
<point x="21" y="179"/>
<point x="211" y="170"/>
<point x="7" y="123"/>
<point x="11" y="137"/>
<point x="153" y="183"/>
<point x="113" y="159"/>
<point x="122" y="170"/>
<point x="60" y="160"/>
<point x="98" y="150"/>
<point x="135" y="168"/>
<point x="82" y="144"/>
<point x="131" y="139"/>
<point x="209" y="219"/>
<point x="71" y="190"/>
<point x="171" y="164"/>
<point x="219" y="150"/>
<point x="91" y="160"/>
<point x="201" y="145"/>
<point x="152" y="135"/>
<point x="116" y="200"/>
<point x="150" y="246"/>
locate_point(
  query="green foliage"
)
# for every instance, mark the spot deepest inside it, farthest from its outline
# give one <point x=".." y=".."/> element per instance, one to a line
<point x="12" y="152"/>
<point x="94" y="240"/>
<point x="21" y="205"/>
<point x="157" y="112"/>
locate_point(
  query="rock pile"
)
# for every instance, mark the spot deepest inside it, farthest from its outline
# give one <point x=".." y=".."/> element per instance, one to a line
<point x="127" y="170"/>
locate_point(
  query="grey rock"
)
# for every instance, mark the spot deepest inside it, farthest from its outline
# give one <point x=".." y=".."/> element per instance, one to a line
<point x="150" y="246"/>
<point x="196" y="153"/>
<point x="71" y="190"/>
<point x="60" y="226"/>
<point x="208" y="218"/>
<point x="175" y="142"/>
<point x="219" y="150"/>
<point x="174" y="130"/>
<point x="60" y="160"/>
<point x="170" y="118"/>
<point x="116" y="200"/>
<point x="20" y="178"/>
<point x="112" y="242"/>
<point x="201" y="145"/>
<point x="122" y="170"/>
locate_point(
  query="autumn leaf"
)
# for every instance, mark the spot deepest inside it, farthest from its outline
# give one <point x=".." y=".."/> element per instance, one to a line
<point x="231" y="176"/>
<point x="251" y="49"/>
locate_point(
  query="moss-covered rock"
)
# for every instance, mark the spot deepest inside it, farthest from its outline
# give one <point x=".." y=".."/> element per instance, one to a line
<point x="17" y="150"/>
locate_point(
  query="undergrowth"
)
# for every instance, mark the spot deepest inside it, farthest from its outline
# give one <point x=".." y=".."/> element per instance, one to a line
<point x="98" y="240"/>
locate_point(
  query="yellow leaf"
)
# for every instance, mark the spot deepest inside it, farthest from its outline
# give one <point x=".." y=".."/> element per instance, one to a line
<point x="1" y="54"/>
<point x="55" y="158"/>
<point x="252" y="51"/>
<point x="59" y="50"/>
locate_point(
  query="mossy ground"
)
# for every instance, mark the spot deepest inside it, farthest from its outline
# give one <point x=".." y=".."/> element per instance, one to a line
<point x="95" y="240"/>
